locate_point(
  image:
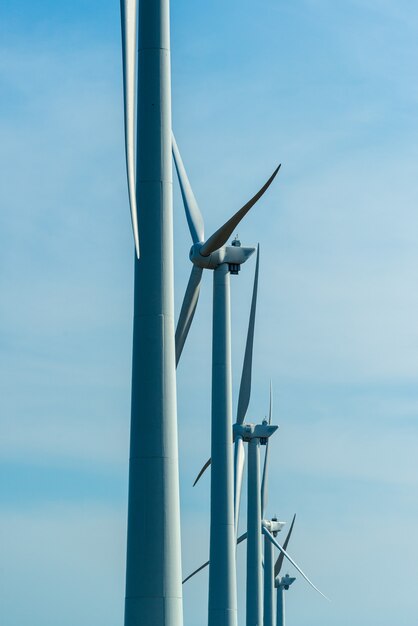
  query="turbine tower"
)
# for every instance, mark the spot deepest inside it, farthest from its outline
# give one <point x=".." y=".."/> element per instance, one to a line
<point x="272" y="570"/>
<point x="274" y="526"/>
<point x="153" y="571"/>
<point x="281" y="584"/>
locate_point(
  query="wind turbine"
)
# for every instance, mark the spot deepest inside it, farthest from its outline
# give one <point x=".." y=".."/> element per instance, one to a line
<point x="243" y="402"/>
<point x="269" y="575"/>
<point x="281" y="584"/>
<point x="274" y="526"/>
<point x="222" y="259"/>
<point x="255" y="435"/>
<point x="211" y="253"/>
<point x="153" y="571"/>
<point x="285" y="582"/>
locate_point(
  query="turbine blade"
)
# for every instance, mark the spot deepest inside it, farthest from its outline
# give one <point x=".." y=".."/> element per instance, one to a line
<point x="193" y="214"/>
<point x="239" y="461"/>
<point x="289" y="558"/>
<point x="264" y="481"/>
<point x="129" y="20"/>
<point x="199" y="569"/>
<point x="264" y="492"/>
<point x="188" y="309"/>
<point x="221" y="236"/>
<point x="245" y="386"/>
<point x="279" y="562"/>
<point x="203" y="470"/>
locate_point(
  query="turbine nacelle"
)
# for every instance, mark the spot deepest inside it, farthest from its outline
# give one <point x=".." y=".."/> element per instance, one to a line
<point x="284" y="582"/>
<point x="254" y="431"/>
<point x="273" y="525"/>
<point x="233" y="255"/>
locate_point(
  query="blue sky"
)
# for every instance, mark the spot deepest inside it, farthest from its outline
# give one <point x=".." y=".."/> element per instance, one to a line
<point x="328" y="89"/>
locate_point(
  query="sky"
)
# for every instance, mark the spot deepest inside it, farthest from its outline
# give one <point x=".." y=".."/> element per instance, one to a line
<point x="330" y="90"/>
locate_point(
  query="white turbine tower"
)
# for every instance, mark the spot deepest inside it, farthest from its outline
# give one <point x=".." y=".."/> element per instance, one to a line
<point x="222" y="259"/>
<point x="153" y="571"/>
